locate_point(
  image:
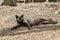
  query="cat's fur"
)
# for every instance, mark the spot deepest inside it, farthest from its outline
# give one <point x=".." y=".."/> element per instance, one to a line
<point x="39" y="21"/>
<point x="23" y="22"/>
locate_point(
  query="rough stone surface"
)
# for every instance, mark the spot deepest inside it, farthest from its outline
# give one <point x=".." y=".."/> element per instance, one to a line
<point x="1" y="1"/>
<point x="31" y="11"/>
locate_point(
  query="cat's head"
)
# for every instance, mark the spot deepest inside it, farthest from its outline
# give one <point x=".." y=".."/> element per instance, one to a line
<point x="19" y="18"/>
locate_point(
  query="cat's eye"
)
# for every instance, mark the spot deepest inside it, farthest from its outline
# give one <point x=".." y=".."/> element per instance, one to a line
<point x="18" y="19"/>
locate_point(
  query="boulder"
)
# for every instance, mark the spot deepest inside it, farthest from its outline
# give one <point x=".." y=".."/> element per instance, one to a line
<point x="1" y="1"/>
<point x="10" y="2"/>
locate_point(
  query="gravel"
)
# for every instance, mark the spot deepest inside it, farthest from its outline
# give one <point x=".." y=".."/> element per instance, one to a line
<point x="31" y="11"/>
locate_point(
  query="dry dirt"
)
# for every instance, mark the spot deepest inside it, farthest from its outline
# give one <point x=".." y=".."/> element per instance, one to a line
<point x="31" y="11"/>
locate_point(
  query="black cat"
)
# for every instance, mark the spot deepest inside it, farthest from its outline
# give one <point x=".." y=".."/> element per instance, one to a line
<point x="21" y="21"/>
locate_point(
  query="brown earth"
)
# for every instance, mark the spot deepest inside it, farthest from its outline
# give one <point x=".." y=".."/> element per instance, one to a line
<point x="31" y="11"/>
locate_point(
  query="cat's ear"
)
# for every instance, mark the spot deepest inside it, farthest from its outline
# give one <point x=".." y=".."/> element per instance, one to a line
<point x="16" y="16"/>
<point x="22" y="16"/>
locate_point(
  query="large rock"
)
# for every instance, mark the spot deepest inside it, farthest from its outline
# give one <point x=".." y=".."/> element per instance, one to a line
<point x="1" y="1"/>
<point x="10" y="2"/>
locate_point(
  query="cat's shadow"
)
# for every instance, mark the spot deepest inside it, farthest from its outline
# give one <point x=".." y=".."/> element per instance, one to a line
<point x="40" y="28"/>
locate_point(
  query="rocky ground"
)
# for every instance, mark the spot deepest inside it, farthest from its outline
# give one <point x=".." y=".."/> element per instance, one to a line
<point x="31" y="11"/>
